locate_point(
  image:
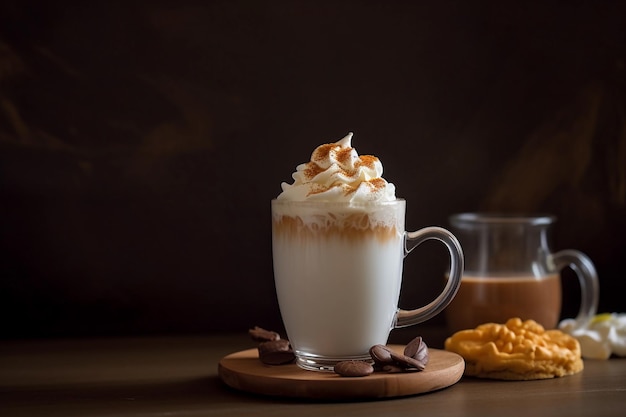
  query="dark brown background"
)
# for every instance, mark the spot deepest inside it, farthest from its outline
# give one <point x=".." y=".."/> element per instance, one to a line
<point x="141" y="143"/>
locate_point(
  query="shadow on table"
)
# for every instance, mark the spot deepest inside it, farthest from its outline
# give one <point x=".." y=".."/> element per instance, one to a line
<point x="111" y="398"/>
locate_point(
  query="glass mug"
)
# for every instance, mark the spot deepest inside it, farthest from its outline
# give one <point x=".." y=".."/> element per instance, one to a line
<point x="338" y="272"/>
<point x="510" y="271"/>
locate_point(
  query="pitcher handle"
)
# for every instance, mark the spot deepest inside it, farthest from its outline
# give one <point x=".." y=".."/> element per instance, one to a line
<point x="588" y="279"/>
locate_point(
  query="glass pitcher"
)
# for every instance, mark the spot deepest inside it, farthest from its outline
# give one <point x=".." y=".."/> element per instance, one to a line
<point x="511" y="271"/>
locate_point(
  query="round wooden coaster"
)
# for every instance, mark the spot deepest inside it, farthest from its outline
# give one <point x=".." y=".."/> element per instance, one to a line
<point x="244" y="371"/>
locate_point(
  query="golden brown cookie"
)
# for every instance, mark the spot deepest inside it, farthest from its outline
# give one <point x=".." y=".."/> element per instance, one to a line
<point x="517" y="350"/>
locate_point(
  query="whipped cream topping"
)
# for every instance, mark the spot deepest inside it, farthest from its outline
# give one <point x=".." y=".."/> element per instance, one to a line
<point x="337" y="173"/>
<point x="603" y="336"/>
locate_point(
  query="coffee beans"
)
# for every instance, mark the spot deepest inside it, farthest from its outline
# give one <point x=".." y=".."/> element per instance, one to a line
<point x="390" y="361"/>
<point x="272" y="349"/>
<point x="417" y="350"/>
<point x="381" y="354"/>
<point x="414" y="359"/>
<point x="261" y="335"/>
<point x="276" y="351"/>
<point x="353" y="368"/>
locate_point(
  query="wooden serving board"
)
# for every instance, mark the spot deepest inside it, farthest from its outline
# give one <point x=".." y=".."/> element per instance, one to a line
<point x="244" y="371"/>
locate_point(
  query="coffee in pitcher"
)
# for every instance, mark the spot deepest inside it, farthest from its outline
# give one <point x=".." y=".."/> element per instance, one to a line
<point x="510" y="271"/>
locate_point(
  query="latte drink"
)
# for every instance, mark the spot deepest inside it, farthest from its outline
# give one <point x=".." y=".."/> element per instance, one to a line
<point x="338" y="269"/>
<point x="338" y="244"/>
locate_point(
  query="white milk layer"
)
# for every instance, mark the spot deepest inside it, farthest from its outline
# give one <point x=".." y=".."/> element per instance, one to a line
<point x="338" y="288"/>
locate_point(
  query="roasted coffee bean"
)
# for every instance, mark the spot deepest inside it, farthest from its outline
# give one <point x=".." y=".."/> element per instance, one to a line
<point x="412" y="347"/>
<point x="381" y="354"/>
<point x="407" y="362"/>
<point x="393" y="369"/>
<point x="417" y="350"/>
<point x="353" y="368"/>
<point x="281" y="345"/>
<point x="387" y="360"/>
<point x="259" y="334"/>
<point x="278" y="358"/>
<point x="276" y="352"/>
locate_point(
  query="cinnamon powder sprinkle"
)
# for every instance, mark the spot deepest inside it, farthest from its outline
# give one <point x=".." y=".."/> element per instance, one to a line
<point x="311" y="170"/>
<point x="343" y="155"/>
<point x="378" y="183"/>
<point x="322" y="152"/>
<point x="318" y="189"/>
<point x="368" y="161"/>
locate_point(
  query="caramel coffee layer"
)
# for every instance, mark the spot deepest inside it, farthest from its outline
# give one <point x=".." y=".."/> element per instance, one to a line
<point x="354" y="227"/>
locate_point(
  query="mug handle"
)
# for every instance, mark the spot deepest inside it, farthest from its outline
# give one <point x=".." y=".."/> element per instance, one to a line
<point x="412" y="239"/>
<point x="588" y="279"/>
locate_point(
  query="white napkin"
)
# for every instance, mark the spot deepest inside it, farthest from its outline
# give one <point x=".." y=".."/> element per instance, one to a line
<point x="604" y="335"/>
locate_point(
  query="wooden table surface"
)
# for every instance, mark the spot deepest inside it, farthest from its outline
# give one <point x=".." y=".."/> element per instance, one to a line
<point x="177" y="376"/>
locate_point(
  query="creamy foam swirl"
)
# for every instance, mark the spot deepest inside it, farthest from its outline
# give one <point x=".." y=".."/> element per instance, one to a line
<point x="337" y="173"/>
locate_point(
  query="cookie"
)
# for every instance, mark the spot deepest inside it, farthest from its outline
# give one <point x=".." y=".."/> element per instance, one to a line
<point x="516" y="350"/>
